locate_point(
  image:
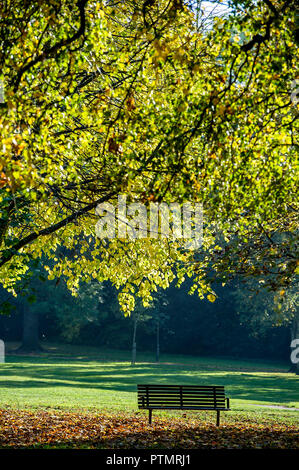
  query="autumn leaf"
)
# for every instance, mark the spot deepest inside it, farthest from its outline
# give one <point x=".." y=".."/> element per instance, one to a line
<point x="55" y="428"/>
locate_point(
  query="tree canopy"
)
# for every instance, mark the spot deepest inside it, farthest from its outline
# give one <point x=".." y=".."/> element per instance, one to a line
<point x="161" y="102"/>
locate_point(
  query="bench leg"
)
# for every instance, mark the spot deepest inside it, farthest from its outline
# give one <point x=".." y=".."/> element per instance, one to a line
<point x="218" y="418"/>
<point x="150" y="416"/>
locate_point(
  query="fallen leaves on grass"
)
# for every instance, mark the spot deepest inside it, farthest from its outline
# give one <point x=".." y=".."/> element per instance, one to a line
<point x="22" y="428"/>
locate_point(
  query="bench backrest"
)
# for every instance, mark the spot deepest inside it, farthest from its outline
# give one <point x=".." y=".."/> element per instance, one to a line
<point x="181" y="396"/>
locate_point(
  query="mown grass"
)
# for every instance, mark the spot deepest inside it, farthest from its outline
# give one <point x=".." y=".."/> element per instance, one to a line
<point x="85" y="398"/>
<point x="89" y="379"/>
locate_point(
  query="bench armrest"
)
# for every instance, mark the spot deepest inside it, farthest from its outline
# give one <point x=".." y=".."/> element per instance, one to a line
<point x="227" y="403"/>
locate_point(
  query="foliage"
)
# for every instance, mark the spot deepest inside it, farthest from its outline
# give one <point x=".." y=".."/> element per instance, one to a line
<point x="187" y="325"/>
<point x="141" y="99"/>
<point x="261" y="309"/>
<point x="73" y="314"/>
<point x="50" y="429"/>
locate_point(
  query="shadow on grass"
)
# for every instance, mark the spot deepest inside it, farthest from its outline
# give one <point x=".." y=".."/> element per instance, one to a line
<point x="124" y="378"/>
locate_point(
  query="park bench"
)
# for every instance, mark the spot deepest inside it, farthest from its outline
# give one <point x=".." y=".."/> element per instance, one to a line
<point x="182" y="397"/>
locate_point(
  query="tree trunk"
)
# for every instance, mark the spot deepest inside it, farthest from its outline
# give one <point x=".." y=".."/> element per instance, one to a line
<point x="295" y="345"/>
<point x="30" y="340"/>
<point x="158" y="342"/>
<point x="134" y="341"/>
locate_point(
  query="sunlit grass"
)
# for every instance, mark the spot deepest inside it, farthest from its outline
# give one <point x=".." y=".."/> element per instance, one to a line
<point x="93" y="380"/>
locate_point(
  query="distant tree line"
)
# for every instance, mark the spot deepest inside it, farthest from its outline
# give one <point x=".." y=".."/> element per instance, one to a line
<point x="240" y="323"/>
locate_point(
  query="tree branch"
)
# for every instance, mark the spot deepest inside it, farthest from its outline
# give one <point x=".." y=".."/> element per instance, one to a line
<point x="271" y="7"/>
<point x="258" y="38"/>
<point x="49" y="52"/>
<point x="10" y="253"/>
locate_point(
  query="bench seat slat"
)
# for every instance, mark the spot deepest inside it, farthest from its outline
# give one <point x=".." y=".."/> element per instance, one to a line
<point x="183" y="408"/>
<point x="176" y="385"/>
<point x="167" y="397"/>
<point x="185" y="403"/>
<point x="202" y="405"/>
<point x="173" y="400"/>
<point x="184" y="398"/>
<point x="173" y="390"/>
<point x="190" y="390"/>
<point x="162" y="397"/>
<point x="176" y="390"/>
<point x="177" y="393"/>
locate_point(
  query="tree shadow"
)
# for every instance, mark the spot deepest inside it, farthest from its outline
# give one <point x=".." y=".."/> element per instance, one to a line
<point x="124" y="378"/>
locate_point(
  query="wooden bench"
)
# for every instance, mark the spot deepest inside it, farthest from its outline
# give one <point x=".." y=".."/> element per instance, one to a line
<point x="182" y="397"/>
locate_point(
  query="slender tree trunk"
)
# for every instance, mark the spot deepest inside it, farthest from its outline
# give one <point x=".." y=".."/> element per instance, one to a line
<point x="198" y="5"/>
<point x="30" y="340"/>
<point x="158" y="342"/>
<point x="134" y="340"/>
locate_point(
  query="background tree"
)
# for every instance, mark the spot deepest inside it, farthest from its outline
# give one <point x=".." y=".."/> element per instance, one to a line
<point x="232" y="326"/>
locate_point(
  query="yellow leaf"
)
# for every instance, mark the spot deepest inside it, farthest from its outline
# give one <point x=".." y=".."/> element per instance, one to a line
<point x="211" y="297"/>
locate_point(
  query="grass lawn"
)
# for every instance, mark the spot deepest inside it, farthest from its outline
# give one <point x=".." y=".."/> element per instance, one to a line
<point x="76" y="378"/>
<point x="92" y="381"/>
